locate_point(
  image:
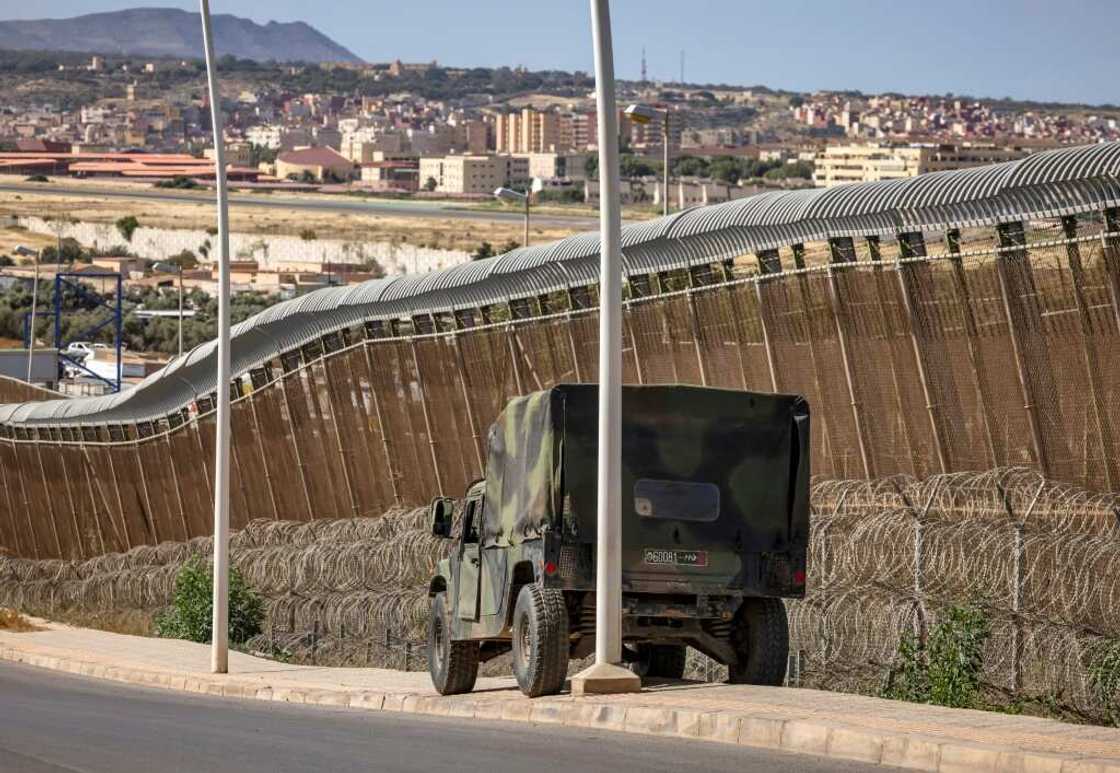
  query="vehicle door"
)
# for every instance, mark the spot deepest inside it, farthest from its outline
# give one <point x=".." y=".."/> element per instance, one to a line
<point x="469" y="559"/>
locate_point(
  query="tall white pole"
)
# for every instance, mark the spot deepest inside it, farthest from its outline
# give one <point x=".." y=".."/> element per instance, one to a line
<point x="31" y="325"/>
<point x="607" y="675"/>
<point x="665" y="149"/>
<point x="608" y="571"/>
<point x="180" y="310"/>
<point x="219" y="651"/>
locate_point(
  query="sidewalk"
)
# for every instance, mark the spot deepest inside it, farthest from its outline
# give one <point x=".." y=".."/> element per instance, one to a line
<point x="796" y="720"/>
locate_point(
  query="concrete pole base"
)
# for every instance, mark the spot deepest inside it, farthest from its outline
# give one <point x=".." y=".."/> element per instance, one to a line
<point x="605" y="678"/>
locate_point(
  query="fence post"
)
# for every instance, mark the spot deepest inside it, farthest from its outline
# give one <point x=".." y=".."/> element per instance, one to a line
<point x="769" y="262"/>
<point x="695" y="325"/>
<point x="260" y="450"/>
<point x="1088" y="347"/>
<point x="572" y="347"/>
<point x="1111" y="240"/>
<point x="842" y="250"/>
<point x="882" y="295"/>
<point x="1016" y="609"/>
<point x="638" y="372"/>
<point x="919" y="601"/>
<point x="972" y="335"/>
<point x="1011" y="236"/>
<point x="911" y="245"/>
<point x="385" y="446"/>
<point x="462" y="368"/>
<point x="838" y="468"/>
<point x="50" y="503"/>
<point x="428" y="414"/>
<point x="315" y="641"/>
<point x="285" y="372"/>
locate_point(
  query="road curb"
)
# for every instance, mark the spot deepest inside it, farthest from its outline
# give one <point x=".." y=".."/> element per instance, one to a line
<point x="762" y="731"/>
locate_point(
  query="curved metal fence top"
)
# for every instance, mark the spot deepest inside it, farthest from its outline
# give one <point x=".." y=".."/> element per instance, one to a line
<point x="1045" y="184"/>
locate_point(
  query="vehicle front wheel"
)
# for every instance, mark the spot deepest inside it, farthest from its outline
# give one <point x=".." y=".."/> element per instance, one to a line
<point x="760" y="637"/>
<point x="452" y="664"/>
<point x="660" y="661"/>
<point x="540" y="641"/>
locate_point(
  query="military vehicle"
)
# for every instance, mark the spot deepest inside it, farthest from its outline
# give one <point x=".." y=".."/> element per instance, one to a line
<point x="715" y="529"/>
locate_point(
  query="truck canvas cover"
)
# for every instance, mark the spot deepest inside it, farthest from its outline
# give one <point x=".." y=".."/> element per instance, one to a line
<point x="707" y="461"/>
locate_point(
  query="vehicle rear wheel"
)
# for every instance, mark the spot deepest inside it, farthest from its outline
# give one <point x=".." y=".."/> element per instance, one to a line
<point x="540" y="641"/>
<point x="660" y="661"/>
<point x="760" y="637"/>
<point x="452" y="664"/>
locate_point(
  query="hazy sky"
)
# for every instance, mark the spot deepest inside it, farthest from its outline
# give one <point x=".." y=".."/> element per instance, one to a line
<point x="1041" y="49"/>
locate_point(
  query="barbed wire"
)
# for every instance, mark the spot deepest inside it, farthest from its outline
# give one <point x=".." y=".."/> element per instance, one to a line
<point x="887" y="556"/>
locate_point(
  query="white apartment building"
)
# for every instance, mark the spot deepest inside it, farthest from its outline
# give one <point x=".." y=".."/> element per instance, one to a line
<point x="842" y="164"/>
<point x="277" y="137"/>
<point x="557" y="166"/>
<point x="474" y="174"/>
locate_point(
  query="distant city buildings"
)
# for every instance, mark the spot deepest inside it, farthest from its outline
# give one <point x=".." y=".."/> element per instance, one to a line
<point x="841" y="164"/>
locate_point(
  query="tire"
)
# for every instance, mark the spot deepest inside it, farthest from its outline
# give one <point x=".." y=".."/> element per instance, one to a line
<point x="760" y="637"/>
<point x="660" y="661"/>
<point x="452" y="664"/>
<point x="540" y="641"/>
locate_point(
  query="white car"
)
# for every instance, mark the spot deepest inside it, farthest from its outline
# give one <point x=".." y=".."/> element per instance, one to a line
<point x="78" y="350"/>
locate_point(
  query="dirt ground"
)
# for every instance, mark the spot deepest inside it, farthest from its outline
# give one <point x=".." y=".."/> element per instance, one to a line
<point x="438" y="232"/>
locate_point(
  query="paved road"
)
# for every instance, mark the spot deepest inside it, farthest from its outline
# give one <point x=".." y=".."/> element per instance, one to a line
<point x="50" y="723"/>
<point x="328" y="203"/>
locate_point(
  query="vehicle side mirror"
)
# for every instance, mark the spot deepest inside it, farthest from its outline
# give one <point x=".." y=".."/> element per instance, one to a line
<point x="442" y="510"/>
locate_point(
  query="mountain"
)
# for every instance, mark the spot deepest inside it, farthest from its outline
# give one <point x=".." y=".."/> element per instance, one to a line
<point x="175" y="33"/>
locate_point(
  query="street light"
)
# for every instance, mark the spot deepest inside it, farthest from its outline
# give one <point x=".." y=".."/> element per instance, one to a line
<point x="607" y="675"/>
<point x="643" y="114"/>
<point x="36" y="255"/>
<point x="219" y="652"/>
<point x="515" y="197"/>
<point x="174" y="268"/>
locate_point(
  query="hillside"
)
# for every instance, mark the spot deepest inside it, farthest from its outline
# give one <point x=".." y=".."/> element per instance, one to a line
<point x="172" y="32"/>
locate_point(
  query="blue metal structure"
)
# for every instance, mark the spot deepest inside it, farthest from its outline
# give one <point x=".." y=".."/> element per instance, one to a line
<point x="74" y="281"/>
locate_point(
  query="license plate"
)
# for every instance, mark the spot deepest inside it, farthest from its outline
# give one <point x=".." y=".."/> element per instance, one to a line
<point x="659" y="557"/>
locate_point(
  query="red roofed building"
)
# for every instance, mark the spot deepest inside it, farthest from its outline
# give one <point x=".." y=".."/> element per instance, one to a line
<point x="145" y="166"/>
<point x="42" y="146"/>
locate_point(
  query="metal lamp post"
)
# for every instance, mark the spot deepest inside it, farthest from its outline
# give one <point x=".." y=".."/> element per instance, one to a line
<point x="516" y="197"/>
<point x="219" y="653"/>
<point x="37" y="255"/>
<point x="607" y="675"/>
<point x="644" y="114"/>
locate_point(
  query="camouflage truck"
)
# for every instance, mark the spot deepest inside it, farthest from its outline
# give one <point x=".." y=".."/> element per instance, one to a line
<point x="715" y="529"/>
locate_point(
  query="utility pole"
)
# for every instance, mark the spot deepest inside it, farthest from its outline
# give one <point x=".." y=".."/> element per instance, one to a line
<point x="219" y="652"/>
<point x="180" y="309"/>
<point x="607" y="675"/>
<point x="665" y="149"/>
<point x="31" y="326"/>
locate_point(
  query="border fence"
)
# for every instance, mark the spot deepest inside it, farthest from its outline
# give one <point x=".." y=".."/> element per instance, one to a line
<point x="1004" y="353"/>
<point x="886" y="558"/>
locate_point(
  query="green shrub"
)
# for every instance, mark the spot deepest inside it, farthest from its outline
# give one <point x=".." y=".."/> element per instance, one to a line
<point x="946" y="672"/>
<point x="1104" y="674"/>
<point x="956" y="657"/>
<point x="179" y="181"/>
<point x="127" y="226"/>
<point x="192" y="608"/>
<point x="37" y="178"/>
